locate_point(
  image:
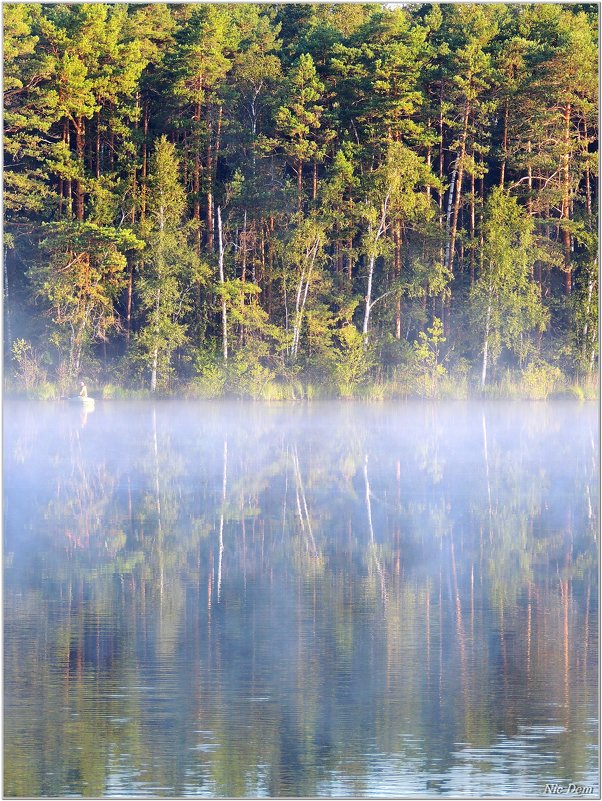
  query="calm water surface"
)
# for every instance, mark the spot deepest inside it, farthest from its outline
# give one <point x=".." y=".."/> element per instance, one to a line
<point x="230" y="599"/>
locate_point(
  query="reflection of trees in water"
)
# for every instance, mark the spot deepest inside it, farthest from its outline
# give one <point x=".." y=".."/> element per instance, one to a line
<point x="270" y="630"/>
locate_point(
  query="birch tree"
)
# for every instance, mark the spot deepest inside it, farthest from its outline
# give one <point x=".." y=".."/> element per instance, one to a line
<point x="506" y="301"/>
<point x="170" y="267"/>
<point x="395" y="192"/>
<point x="303" y="258"/>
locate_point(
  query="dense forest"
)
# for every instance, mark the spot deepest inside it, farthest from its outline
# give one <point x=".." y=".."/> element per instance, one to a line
<point x="288" y="201"/>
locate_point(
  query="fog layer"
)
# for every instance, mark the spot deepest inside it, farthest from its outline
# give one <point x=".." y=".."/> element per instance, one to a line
<point x="245" y="599"/>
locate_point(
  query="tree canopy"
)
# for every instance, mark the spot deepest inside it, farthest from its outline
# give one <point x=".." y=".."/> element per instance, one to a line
<point x="335" y="182"/>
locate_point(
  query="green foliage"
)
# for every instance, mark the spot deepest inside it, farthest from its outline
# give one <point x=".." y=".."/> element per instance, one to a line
<point x="246" y="376"/>
<point x="540" y="379"/>
<point x="30" y="372"/>
<point x="428" y="369"/>
<point x="375" y="168"/>
<point x="170" y="267"/>
<point x="298" y="120"/>
<point x="210" y="380"/>
<point x="506" y="302"/>
<point x="80" y="282"/>
<point x="117" y="392"/>
<point x="352" y="362"/>
<point x="45" y="391"/>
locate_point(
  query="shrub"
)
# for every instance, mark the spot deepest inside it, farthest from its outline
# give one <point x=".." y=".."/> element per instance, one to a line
<point x="246" y="376"/>
<point x="353" y="361"/>
<point x="29" y="371"/>
<point x="110" y="391"/>
<point x="591" y="387"/>
<point x="427" y="369"/>
<point x="540" y="379"/>
<point x="45" y="391"/>
<point x="377" y="391"/>
<point x="211" y="381"/>
<point x="573" y="392"/>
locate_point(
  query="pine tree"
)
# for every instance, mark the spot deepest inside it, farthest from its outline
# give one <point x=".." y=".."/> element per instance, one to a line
<point x="298" y="118"/>
<point x="203" y="56"/>
<point x="372" y="165"/>
<point x="80" y="277"/>
<point x="170" y="267"/>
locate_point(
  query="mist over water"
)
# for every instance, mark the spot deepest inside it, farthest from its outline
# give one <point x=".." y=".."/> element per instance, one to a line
<point x="333" y="599"/>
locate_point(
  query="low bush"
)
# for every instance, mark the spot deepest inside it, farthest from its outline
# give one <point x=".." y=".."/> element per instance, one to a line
<point x="116" y="392"/>
<point x="540" y="379"/>
<point x="29" y="372"/>
<point x="210" y="382"/>
<point x="45" y="390"/>
<point x="571" y="392"/>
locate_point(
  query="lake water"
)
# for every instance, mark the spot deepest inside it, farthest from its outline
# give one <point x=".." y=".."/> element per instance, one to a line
<point x="285" y="600"/>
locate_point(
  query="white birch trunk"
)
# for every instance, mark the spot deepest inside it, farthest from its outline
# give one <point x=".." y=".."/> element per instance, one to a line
<point x="155" y="364"/>
<point x="368" y="300"/>
<point x="590" y="289"/>
<point x="302" y="293"/>
<point x="486" y="346"/>
<point x="221" y="519"/>
<point x="153" y="386"/>
<point x="382" y="227"/>
<point x="450" y="204"/>
<point x="222" y="282"/>
<point x="374" y="551"/>
<point x="297" y="323"/>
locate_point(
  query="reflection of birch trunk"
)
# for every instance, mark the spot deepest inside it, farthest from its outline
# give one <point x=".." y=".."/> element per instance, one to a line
<point x="221" y="520"/>
<point x="586" y="632"/>
<point x="503" y="647"/>
<point x="472" y="606"/>
<point x="156" y="455"/>
<point x="285" y="494"/>
<point x="486" y="452"/>
<point x="428" y="632"/>
<point x="302" y="510"/>
<point x="368" y="500"/>
<point x="440" y="633"/>
<point x="529" y="630"/>
<point x="459" y="619"/>
<point x="590" y="511"/>
<point x="158" y="505"/>
<point x="565" y="599"/>
<point x="6" y="302"/>
<point x="379" y="567"/>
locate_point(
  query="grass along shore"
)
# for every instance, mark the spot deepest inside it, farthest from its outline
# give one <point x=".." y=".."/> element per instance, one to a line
<point x="540" y="383"/>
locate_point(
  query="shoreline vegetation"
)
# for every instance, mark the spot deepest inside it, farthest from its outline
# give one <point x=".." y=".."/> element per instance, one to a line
<point x="543" y="384"/>
<point x="301" y="201"/>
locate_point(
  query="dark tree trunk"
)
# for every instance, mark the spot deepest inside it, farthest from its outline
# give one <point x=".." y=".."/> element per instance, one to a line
<point x="145" y="119"/>
<point x="504" y="145"/>
<point x="79" y="151"/>
<point x="566" y="206"/>
<point x="97" y="147"/>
